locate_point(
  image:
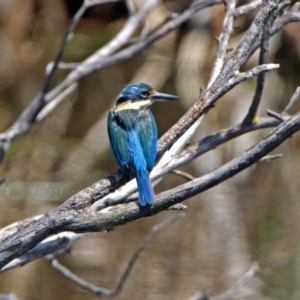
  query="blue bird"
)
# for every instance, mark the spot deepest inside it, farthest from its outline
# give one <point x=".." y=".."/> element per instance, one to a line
<point x="133" y="135"/>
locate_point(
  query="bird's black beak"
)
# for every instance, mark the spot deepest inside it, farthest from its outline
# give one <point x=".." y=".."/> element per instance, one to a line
<point x="156" y="96"/>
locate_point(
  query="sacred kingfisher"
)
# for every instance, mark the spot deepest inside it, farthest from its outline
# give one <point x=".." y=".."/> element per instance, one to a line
<point x="133" y="134"/>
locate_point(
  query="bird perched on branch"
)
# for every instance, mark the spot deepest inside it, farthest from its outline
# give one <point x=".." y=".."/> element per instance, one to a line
<point x="133" y="134"/>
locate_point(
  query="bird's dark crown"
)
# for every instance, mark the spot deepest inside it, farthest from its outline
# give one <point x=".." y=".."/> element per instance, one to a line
<point x="135" y="92"/>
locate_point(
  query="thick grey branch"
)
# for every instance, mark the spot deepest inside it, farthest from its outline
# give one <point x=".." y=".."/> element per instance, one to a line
<point x="245" y="9"/>
<point x="61" y="241"/>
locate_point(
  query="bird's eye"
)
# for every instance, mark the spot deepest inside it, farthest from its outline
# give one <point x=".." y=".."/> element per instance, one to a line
<point x="144" y="94"/>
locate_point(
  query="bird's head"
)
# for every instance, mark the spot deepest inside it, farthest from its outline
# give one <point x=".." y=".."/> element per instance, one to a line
<point x="140" y="95"/>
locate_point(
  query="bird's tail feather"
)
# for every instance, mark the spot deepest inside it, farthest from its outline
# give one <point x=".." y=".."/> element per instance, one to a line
<point x="139" y="166"/>
<point x="146" y="193"/>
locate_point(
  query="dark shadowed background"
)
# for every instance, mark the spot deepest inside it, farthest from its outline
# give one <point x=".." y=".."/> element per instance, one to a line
<point x="251" y="217"/>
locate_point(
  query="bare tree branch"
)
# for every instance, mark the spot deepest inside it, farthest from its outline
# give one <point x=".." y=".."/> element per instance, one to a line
<point x="51" y="68"/>
<point x="223" y="40"/>
<point x="79" y="213"/>
<point x="190" y="153"/>
<point x="74" y="215"/>
<point x="53" y="244"/>
<point x="269" y="158"/>
<point x="202" y="295"/>
<point x="263" y="57"/>
<point x="286" y="18"/>
<point x="111" y="293"/>
<point x="240" y="283"/>
<point x="185" y="175"/>
<point x="221" y="84"/>
<point x="245" y="9"/>
<point x="228" y="294"/>
<point x="29" y="115"/>
<point x="90" y="65"/>
<point x="293" y="100"/>
<point x="130" y="6"/>
<point x="100" y="59"/>
<point x="276" y="115"/>
<point x="164" y="166"/>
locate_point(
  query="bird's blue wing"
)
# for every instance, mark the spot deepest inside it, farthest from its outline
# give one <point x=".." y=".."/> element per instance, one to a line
<point x="118" y="140"/>
<point x="147" y="133"/>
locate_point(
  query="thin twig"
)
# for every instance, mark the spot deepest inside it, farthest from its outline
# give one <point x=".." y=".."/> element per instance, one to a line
<point x="203" y="295"/>
<point x="282" y="5"/>
<point x="277" y="26"/>
<point x="275" y="115"/>
<point x="130" y="7"/>
<point x="263" y="57"/>
<point x="52" y="67"/>
<point x="240" y="283"/>
<point x="240" y="54"/>
<point x="48" y="108"/>
<point x="269" y="158"/>
<point x="293" y="100"/>
<point x="185" y="175"/>
<point x="295" y="7"/>
<point x="111" y="293"/>
<point x="50" y="70"/>
<point x="223" y="40"/>
<point x="67" y="66"/>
